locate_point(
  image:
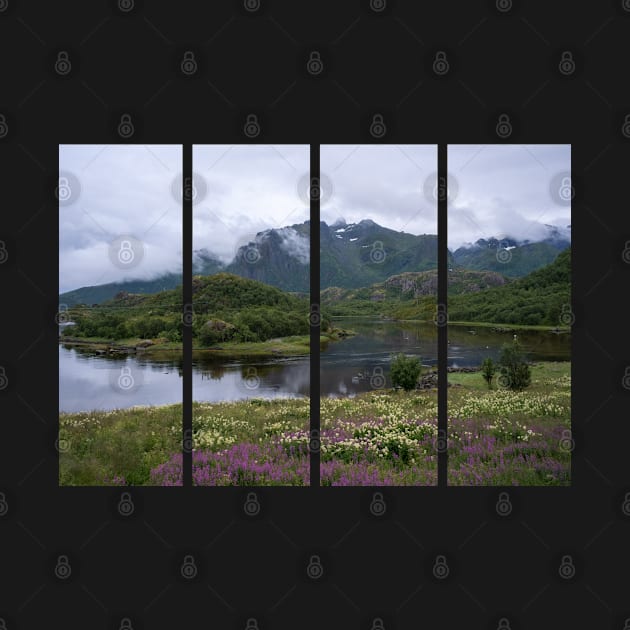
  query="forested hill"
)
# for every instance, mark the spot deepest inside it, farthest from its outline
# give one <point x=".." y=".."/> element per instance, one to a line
<point x="540" y="298"/>
<point x="226" y="307"/>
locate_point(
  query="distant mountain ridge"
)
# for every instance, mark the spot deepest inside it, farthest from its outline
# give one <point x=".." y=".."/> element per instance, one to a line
<point x="352" y="255"/>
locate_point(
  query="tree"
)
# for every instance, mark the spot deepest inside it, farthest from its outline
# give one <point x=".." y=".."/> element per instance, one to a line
<point x="405" y="371"/>
<point x="488" y="368"/>
<point x="515" y="372"/>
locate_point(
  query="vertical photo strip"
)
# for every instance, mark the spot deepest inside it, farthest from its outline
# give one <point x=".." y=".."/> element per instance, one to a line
<point x="251" y="302"/>
<point x="509" y="315"/>
<point x="119" y="317"/>
<point x="378" y="283"/>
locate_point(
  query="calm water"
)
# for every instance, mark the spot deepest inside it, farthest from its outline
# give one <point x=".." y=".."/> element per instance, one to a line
<point x="360" y="363"/>
<point x="88" y="381"/>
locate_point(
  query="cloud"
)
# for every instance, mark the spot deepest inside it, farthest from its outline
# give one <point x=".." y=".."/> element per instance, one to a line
<point x="295" y="245"/>
<point x="384" y="183"/>
<point x="124" y="189"/>
<point x="250" y="189"/>
<point x="505" y="191"/>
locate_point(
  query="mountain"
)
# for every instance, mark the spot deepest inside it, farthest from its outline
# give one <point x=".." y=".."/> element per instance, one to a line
<point x="103" y="292"/>
<point x="359" y="254"/>
<point x="279" y="257"/>
<point x="352" y="255"/>
<point x="512" y="257"/>
<point x="409" y="295"/>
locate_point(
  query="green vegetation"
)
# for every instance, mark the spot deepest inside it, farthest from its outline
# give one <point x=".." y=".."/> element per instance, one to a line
<point x="231" y="314"/>
<point x="488" y="370"/>
<point x="404" y="371"/>
<point x="101" y="447"/>
<point x="515" y="372"/>
<point x="541" y="298"/>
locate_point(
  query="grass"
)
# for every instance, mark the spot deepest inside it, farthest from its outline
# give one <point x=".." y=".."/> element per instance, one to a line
<point x="117" y="447"/>
<point x="383" y="437"/>
<point x="510" y="326"/>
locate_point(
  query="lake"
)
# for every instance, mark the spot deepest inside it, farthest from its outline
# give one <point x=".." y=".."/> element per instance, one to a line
<point x="356" y="364"/>
<point x="361" y="363"/>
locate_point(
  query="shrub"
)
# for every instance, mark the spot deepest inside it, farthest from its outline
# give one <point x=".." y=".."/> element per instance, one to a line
<point x="515" y="372"/>
<point x="488" y="369"/>
<point x="405" y="371"/>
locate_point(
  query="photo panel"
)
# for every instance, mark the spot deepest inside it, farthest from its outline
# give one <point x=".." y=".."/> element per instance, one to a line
<point x="251" y="302"/>
<point x="120" y="326"/>
<point x="509" y="315"/>
<point x="378" y="284"/>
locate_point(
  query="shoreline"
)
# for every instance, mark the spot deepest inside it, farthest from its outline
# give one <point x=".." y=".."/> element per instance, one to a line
<point x="498" y="327"/>
<point x="294" y="345"/>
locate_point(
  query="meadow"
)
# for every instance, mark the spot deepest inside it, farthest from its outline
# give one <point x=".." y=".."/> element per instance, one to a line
<point x="383" y="437"/>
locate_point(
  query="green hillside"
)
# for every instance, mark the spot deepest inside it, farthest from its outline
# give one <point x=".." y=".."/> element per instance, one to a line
<point x="226" y="308"/>
<point x="536" y="299"/>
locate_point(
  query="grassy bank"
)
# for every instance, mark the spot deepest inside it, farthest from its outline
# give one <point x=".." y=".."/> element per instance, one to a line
<point x="383" y="437"/>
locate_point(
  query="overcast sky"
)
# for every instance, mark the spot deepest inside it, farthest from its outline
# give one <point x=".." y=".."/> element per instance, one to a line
<point x="245" y="189"/>
<point x="506" y="190"/>
<point x="385" y="183"/>
<point x="118" y="190"/>
<point x="495" y="190"/>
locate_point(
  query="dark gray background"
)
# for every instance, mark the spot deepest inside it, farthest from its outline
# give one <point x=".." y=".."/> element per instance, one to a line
<point x="374" y="62"/>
